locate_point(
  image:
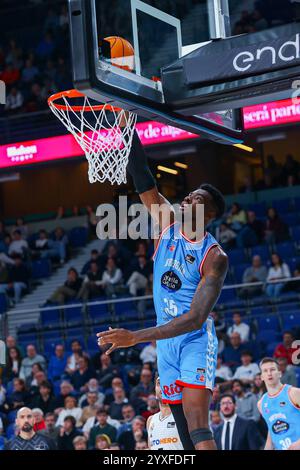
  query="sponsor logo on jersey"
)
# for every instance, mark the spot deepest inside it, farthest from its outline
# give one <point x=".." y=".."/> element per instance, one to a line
<point x="282" y="403"/>
<point x="164" y="440"/>
<point x="200" y="377"/>
<point x="280" y="427"/>
<point x="170" y="281"/>
<point x="174" y="263"/>
<point x="277" y="416"/>
<point x="172" y="389"/>
<point x="171" y="424"/>
<point x="190" y="259"/>
<point x="172" y="247"/>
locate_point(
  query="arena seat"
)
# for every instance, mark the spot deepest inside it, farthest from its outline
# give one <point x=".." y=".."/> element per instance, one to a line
<point x="237" y="256"/>
<point x="78" y="237"/>
<point x="238" y="271"/>
<point x="285" y="250"/>
<point x="73" y="315"/>
<point x="40" y="268"/>
<point x="290" y="219"/>
<point x="270" y="322"/>
<point x="268" y="336"/>
<point x="297" y="373"/>
<point x="50" y="318"/>
<point x="291" y="320"/>
<point x="283" y="205"/>
<point x="261" y="250"/>
<point x="3" y="303"/>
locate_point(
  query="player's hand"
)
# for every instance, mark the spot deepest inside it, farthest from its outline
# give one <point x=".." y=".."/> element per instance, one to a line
<point x="295" y="446"/>
<point x="118" y="338"/>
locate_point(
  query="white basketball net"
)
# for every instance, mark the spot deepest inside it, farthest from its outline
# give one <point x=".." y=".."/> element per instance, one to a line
<point x="104" y="135"/>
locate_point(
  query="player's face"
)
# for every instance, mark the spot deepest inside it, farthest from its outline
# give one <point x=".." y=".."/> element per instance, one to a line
<point x="200" y="196"/>
<point x="270" y="374"/>
<point x="25" y="421"/>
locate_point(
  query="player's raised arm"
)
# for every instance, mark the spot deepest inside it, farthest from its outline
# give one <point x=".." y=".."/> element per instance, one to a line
<point x="209" y="289"/>
<point x="158" y="206"/>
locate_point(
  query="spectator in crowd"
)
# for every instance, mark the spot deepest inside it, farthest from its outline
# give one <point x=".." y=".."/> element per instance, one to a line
<point x="67" y="433"/>
<point x="92" y="222"/>
<point x="128" y="415"/>
<point x="19" y="396"/>
<point x="255" y="273"/>
<point x="13" y="366"/>
<point x="149" y="354"/>
<point x="10" y="74"/>
<point x="39" y="422"/>
<point x="18" y="279"/>
<point x="236" y="433"/>
<point x="70" y="409"/>
<point x="92" y="283"/>
<point x="72" y="362"/>
<point x="258" y="387"/>
<point x="140" y="393"/>
<point x="22" y="227"/>
<point x="57" y="363"/>
<point x="232" y="353"/>
<point x="279" y="271"/>
<point x="69" y="290"/>
<point x="51" y="430"/>
<point x="102" y="427"/>
<point x="82" y="375"/>
<point x="102" y="442"/>
<point x="285" y="349"/>
<point x="215" y="420"/>
<point x="246" y="403"/>
<point x="2" y="393"/>
<point x="107" y="371"/>
<point x="14" y="99"/>
<point x="112" y="279"/>
<point x="92" y="387"/>
<point x="18" y="246"/>
<point x="60" y="214"/>
<point x="290" y="168"/>
<point x="275" y="229"/>
<point x="152" y="407"/>
<point x="215" y="399"/>
<point x="288" y="375"/>
<point x="120" y="399"/>
<point x="95" y="257"/>
<point x="91" y="409"/>
<point x="141" y="445"/>
<point x="252" y="232"/>
<point x="60" y="243"/>
<point x="236" y="218"/>
<point x="223" y="372"/>
<point x="46" y="47"/>
<point x="45" y="399"/>
<point x="141" y="270"/>
<point x="239" y="327"/>
<point x="31" y="358"/>
<point x="66" y="389"/>
<point x="247" y="371"/>
<point x="30" y="72"/>
<point x="127" y="439"/>
<point x="226" y="236"/>
<point x="80" y="443"/>
<point x="35" y="380"/>
<point x="116" y="382"/>
<point x="41" y="245"/>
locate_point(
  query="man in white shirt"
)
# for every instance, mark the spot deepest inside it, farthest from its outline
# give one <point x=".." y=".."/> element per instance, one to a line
<point x="149" y="354"/>
<point x="242" y="328"/>
<point x="222" y="371"/>
<point x="248" y="370"/>
<point x="18" y="245"/>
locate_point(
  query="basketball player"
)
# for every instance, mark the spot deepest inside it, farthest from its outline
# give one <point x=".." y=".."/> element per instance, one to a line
<point x="188" y="278"/>
<point x="280" y="408"/>
<point x="161" y="427"/>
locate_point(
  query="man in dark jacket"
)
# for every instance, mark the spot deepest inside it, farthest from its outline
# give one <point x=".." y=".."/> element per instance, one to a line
<point x="68" y="432"/>
<point x="236" y="433"/>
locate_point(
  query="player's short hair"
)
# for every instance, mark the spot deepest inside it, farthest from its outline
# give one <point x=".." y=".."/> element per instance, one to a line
<point x="265" y="360"/>
<point x="217" y="197"/>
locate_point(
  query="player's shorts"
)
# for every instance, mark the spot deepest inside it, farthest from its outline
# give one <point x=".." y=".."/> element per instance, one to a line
<point x="188" y="360"/>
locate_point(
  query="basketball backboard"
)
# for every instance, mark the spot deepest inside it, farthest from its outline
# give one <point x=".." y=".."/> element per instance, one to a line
<point x="161" y="32"/>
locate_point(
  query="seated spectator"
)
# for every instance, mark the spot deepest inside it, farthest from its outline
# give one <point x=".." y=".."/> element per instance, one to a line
<point x="2" y="393"/>
<point x="232" y="353"/>
<point x="141" y="270"/>
<point x="285" y="349"/>
<point x="82" y="375"/>
<point x="112" y="279"/>
<point x="57" y="363"/>
<point x="31" y="358"/>
<point x="70" y="409"/>
<point x="258" y="387"/>
<point x="22" y="227"/>
<point x="92" y="283"/>
<point x="102" y="427"/>
<point x="67" y="433"/>
<point x="45" y="399"/>
<point x="223" y="372"/>
<point x="18" y="279"/>
<point x="238" y="326"/>
<point x="60" y="213"/>
<point x="10" y="74"/>
<point x="236" y="433"/>
<point x="80" y="443"/>
<point x="45" y="47"/>
<point x="72" y="361"/>
<point x="66" y="390"/>
<point x="69" y="290"/>
<point x="255" y="273"/>
<point x="30" y="72"/>
<point x="152" y="407"/>
<point x="128" y="415"/>
<point x="149" y="353"/>
<point x="36" y="378"/>
<point x="14" y="100"/>
<point x="288" y="375"/>
<point x="91" y="408"/>
<point x="18" y="246"/>
<point x="215" y="399"/>
<point x="13" y="365"/>
<point x="92" y="387"/>
<point x="102" y="442"/>
<point x="127" y="439"/>
<point x="50" y="430"/>
<point x="39" y="422"/>
<point x="278" y="271"/>
<point x="92" y="221"/>
<point x="140" y="393"/>
<point x="275" y="229"/>
<point x="247" y="371"/>
<point x="41" y="246"/>
<point x="215" y="419"/>
<point x="246" y="402"/>
<point x="252" y="232"/>
<point x="19" y="396"/>
<point x="236" y="218"/>
<point x="115" y="407"/>
<point x="226" y="236"/>
<point x="60" y="243"/>
<point x="116" y="382"/>
<point x="95" y="257"/>
<point x="290" y="168"/>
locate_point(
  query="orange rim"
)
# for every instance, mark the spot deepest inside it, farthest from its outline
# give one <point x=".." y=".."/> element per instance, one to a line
<point x="77" y="94"/>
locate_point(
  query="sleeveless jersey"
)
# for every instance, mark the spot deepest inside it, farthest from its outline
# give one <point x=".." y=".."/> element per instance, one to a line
<point x="282" y="418"/>
<point x="177" y="271"/>
<point x="163" y="433"/>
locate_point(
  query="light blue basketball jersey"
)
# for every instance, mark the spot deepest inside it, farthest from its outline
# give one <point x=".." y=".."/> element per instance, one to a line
<point x="282" y="418"/>
<point x="177" y="272"/>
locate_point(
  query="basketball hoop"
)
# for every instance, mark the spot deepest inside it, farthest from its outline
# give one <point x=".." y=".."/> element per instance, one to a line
<point x="104" y="133"/>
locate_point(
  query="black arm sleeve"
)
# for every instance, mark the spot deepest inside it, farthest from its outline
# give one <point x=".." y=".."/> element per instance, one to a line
<point x="138" y="167"/>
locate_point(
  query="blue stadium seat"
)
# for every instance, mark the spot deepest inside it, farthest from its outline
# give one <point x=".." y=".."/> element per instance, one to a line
<point x="267" y="336"/>
<point x="3" y="303"/>
<point x="53" y="335"/>
<point x="2" y="442"/>
<point x="98" y="313"/>
<point x="290" y="219"/>
<point x="297" y="373"/>
<point x="40" y="268"/>
<point x="270" y="348"/>
<point x="283" y="206"/>
<point x="291" y="320"/>
<point x="262" y="250"/>
<point x="296" y="233"/>
<point x="297" y="204"/>
<point x="239" y="271"/>
<point x="10" y="430"/>
<point x="92" y="345"/>
<point x="236" y="256"/>
<point x="73" y="315"/>
<point x="270" y="322"/>
<point x="285" y="250"/>
<point x="78" y="236"/>
<point x="50" y="318"/>
<point x="123" y="307"/>
<point x="259" y="208"/>
<point x="290" y="307"/>
<point x="227" y="295"/>
<point x="261" y="310"/>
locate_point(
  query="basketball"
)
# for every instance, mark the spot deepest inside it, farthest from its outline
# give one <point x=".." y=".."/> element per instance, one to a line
<point x="122" y="53"/>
